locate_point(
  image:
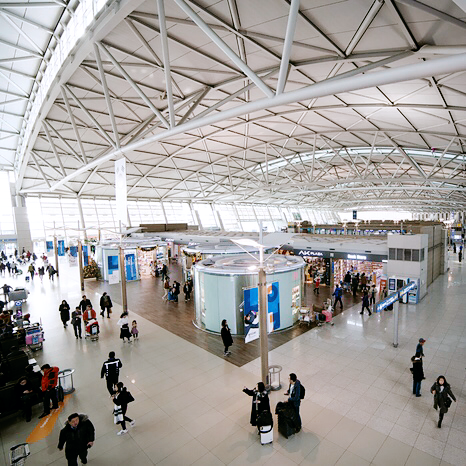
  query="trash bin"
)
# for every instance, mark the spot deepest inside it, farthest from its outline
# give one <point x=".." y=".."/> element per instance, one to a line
<point x="274" y="377"/>
<point x="65" y="379"/>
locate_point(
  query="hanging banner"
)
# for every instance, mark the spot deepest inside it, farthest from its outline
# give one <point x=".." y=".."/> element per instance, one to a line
<point x="73" y="256"/>
<point x="251" y="311"/>
<point x="61" y="247"/>
<point x="49" y="245"/>
<point x="120" y="191"/>
<point x="130" y="267"/>
<point x="86" y="255"/>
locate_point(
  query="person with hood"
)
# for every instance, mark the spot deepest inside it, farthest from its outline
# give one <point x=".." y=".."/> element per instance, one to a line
<point x="260" y="401"/>
<point x="106" y="304"/>
<point x="48" y="385"/>
<point x="78" y="435"/>
<point x="121" y="399"/>
<point x="442" y="397"/>
<point x="226" y="337"/>
<point x="418" y="373"/>
<point x="64" y="310"/>
<point x="338" y="294"/>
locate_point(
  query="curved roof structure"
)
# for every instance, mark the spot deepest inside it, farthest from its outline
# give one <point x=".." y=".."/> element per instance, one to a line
<point x="329" y="104"/>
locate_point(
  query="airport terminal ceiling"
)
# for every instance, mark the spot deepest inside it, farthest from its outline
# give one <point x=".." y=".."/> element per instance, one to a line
<point x="330" y="104"/>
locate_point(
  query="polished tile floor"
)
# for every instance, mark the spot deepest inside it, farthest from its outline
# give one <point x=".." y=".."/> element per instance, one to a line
<point x="189" y="407"/>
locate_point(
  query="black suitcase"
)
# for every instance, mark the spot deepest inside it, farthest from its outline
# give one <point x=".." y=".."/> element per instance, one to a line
<point x="287" y="419"/>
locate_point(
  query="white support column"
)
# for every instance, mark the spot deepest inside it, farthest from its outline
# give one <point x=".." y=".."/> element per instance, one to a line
<point x="23" y="231"/>
<point x="81" y="217"/>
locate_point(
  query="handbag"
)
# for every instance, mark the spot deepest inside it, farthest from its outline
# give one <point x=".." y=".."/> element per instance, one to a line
<point x="448" y="401"/>
<point x="117" y="414"/>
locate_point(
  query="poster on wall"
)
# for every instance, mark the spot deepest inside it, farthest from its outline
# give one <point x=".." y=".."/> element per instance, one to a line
<point x="130" y="267"/>
<point x="114" y="277"/>
<point x="251" y="311"/>
<point x="61" y="247"/>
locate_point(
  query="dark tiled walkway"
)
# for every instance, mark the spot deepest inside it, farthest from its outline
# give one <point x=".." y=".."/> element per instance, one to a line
<point x="145" y="299"/>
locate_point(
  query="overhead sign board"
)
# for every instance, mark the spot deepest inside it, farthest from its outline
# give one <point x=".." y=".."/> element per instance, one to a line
<point x="395" y="296"/>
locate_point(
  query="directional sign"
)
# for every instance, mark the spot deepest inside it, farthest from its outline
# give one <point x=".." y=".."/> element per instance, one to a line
<point x="395" y="296"/>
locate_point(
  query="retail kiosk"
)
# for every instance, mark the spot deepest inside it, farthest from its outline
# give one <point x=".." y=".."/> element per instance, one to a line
<point x="225" y="288"/>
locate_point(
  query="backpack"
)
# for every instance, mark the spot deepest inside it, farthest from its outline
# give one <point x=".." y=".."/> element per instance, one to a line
<point x="302" y="392"/>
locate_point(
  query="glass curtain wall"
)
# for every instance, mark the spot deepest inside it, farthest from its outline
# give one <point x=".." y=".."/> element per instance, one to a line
<point x="7" y="221"/>
<point x="45" y="213"/>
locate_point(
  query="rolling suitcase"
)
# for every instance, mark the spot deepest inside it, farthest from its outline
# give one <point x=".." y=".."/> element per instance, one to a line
<point x="265" y="426"/>
<point x="286" y="419"/>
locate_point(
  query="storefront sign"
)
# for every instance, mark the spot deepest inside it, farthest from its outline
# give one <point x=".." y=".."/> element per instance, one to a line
<point x="309" y="253"/>
<point x="357" y="257"/>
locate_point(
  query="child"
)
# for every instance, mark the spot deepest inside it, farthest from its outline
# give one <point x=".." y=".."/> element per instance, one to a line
<point x="134" y="329"/>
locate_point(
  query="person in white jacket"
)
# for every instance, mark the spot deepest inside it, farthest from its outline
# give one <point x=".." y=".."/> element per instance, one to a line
<point x="123" y="322"/>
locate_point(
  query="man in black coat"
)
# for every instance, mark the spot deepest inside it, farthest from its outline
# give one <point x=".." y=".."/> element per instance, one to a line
<point x="111" y="370"/>
<point x="78" y="435"/>
<point x="105" y="304"/>
<point x="84" y="303"/>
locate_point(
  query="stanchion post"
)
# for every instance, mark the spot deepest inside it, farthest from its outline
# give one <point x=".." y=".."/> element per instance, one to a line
<point x="396" y="309"/>
<point x="123" y="279"/>
<point x="80" y="262"/>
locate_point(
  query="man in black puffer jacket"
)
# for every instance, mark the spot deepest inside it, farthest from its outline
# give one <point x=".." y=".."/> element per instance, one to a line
<point x="79" y="435"/>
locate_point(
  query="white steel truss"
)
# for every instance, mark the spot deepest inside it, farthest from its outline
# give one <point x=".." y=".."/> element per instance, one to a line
<point x="269" y="102"/>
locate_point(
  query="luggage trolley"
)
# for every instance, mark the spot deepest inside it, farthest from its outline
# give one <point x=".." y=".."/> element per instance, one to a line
<point x="92" y="330"/>
<point x="18" y="454"/>
<point x="34" y="336"/>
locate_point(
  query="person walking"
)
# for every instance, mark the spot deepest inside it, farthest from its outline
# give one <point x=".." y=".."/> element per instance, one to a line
<point x="84" y="303"/>
<point x="32" y="271"/>
<point x="106" y="304"/>
<point x="460" y="255"/>
<point x="338" y="294"/>
<point x="134" y="330"/>
<point x="420" y="346"/>
<point x="123" y="323"/>
<point x="365" y="304"/>
<point x="354" y="285"/>
<point x="176" y="290"/>
<point x="78" y="435"/>
<point x="166" y="287"/>
<point x="51" y="272"/>
<point x="294" y="397"/>
<point x="347" y="281"/>
<point x="418" y="373"/>
<point x="121" y="399"/>
<point x="48" y="385"/>
<point x="111" y="370"/>
<point x="41" y="272"/>
<point x="260" y="401"/>
<point x="226" y="337"/>
<point x="76" y="317"/>
<point x="442" y="397"/>
<point x="316" y="284"/>
<point x="164" y="272"/>
<point x="6" y="291"/>
<point x="363" y="282"/>
<point x="64" y="310"/>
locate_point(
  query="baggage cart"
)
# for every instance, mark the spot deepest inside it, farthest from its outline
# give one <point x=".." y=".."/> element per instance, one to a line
<point x="18" y="454"/>
<point x="34" y="337"/>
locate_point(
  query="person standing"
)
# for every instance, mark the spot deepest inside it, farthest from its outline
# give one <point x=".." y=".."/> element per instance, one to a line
<point x="365" y="304"/>
<point x="76" y="316"/>
<point x="176" y="290"/>
<point x="121" y="399"/>
<point x="78" y="435"/>
<point x="164" y="272"/>
<point x="260" y="401"/>
<point x="294" y="397"/>
<point x="6" y="291"/>
<point x="420" y="346"/>
<point x="187" y="291"/>
<point x="338" y="293"/>
<point x="106" y="304"/>
<point x="442" y="397"/>
<point x="123" y="323"/>
<point x="48" y="385"/>
<point x="460" y="255"/>
<point x="226" y="337"/>
<point x="373" y="295"/>
<point x="111" y="370"/>
<point x="418" y="373"/>
<point x="64" y="313"/>
<point x="363" y="282"/>
<point x="84" y="303"/>
<point x="166" y="287"/>
<point x="347" y="281"/>
<point x="354" y="284"/>
<point x="316" y="285"/>
<point x="25" y="393"/>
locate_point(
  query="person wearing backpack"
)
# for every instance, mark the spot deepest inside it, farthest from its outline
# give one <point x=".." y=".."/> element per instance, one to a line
<point x="294" y="397"/>
<point x="338" y="294"/>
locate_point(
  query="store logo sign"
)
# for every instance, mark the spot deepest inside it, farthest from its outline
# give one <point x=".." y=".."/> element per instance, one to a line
<point x="306" y="252"/>
<point x="357" y="257"/>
